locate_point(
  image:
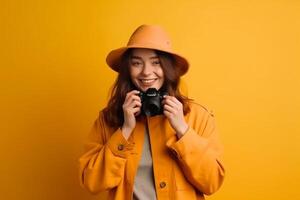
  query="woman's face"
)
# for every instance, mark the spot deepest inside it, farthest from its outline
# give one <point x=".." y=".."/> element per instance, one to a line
<point x="145" y="69"/>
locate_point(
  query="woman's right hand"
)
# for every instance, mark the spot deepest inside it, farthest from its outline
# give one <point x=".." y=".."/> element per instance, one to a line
<point x="131" y="108"/>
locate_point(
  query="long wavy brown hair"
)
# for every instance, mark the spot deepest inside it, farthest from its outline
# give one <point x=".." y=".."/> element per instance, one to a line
<point x="113" y="113"/>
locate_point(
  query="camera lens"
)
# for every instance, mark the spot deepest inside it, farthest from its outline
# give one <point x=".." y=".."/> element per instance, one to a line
<point x="151" y="108"/>
<point x="151" y="102"/>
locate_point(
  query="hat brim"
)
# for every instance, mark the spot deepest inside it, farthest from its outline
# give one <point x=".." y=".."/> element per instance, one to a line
<point x="113" y="59"/>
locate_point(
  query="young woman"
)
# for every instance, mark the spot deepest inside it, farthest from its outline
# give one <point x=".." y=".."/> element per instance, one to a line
<point x="166" y="149"/>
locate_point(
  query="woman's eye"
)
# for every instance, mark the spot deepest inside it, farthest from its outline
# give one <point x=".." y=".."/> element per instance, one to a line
<point x="136" y="63"/>
<point x="156" y="62"/>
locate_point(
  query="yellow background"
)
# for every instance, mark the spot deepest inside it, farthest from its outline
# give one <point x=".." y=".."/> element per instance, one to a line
<point x="245" y="63"/>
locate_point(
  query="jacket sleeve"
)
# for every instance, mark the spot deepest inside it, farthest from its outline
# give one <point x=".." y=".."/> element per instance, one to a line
<point x="102" y="165"/>
<point x="199" y="154"/>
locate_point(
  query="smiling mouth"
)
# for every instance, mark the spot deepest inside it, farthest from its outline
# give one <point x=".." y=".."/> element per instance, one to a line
<point x="148" y="80"/>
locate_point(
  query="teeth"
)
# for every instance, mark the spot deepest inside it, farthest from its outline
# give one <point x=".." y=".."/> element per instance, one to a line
<point x="148" y="80"/>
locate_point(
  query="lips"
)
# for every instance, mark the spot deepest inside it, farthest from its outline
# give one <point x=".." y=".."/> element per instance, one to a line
<point x="147" y="82"/>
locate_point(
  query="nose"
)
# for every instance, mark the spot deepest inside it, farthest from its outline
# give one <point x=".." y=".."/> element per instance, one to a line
<point x="147" y="69"/>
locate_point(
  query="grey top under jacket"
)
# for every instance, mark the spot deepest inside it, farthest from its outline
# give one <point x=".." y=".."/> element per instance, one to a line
<point x="144" y="187"/>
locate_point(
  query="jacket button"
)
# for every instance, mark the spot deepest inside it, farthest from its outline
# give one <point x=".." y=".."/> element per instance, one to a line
<point x="120" y="147"/>
<point x="162" y="184"/>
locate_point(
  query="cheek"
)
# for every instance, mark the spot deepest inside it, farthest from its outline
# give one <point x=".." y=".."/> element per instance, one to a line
<point x="134" y="81"/>
<point x="133" y="73"/>
<point x="161" y="73"/>
<point x="133" y="77"/>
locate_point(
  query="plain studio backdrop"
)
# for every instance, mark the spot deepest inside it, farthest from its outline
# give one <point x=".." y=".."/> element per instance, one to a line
<point x="244" y="58"/>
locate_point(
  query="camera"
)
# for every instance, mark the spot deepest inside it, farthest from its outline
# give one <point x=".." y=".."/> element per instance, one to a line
<point x="151" y="102"/>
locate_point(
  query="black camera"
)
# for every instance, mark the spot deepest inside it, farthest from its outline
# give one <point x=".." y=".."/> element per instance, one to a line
<point x="151" y="102"/>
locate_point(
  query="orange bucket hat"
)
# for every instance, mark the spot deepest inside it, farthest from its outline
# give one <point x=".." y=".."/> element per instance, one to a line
<point x="149" y="37"/>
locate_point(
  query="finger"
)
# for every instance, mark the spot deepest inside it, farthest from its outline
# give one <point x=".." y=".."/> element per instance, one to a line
<point x="134" y="104"/>
<point x="132" y="100"/>
<point x="132" y="110"/>
<point x="133" y="92"/>
<point x="131" y="97"/>
<point x="170" y="109"/>
<point x="173" y="99"/>
<point x="170" y="103"/>
<point x="167" y="114"/>
<point x="136" y="111"/>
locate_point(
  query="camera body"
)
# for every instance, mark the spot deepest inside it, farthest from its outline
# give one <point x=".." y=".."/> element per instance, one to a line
<point x="151" y="102"/>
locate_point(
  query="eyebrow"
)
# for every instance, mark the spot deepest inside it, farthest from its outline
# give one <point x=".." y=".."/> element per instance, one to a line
<point x="137" y="57"/>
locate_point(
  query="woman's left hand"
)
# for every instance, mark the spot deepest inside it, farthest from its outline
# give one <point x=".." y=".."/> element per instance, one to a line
<point x="173" y="110"/>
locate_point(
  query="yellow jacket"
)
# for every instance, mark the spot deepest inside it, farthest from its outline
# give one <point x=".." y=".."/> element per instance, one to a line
<point x="186" y="168"/>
